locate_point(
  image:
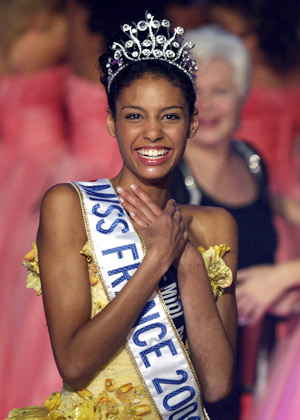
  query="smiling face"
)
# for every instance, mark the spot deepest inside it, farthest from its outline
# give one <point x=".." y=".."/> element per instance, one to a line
<point x="152" y="124"/>
<point x="218" y="103"/>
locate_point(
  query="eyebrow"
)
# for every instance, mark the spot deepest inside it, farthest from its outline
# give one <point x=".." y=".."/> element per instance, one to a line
<point x="139" y="108"/>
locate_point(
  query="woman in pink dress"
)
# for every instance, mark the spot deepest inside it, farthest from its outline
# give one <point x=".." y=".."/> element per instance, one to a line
<point x="32" y="132"/>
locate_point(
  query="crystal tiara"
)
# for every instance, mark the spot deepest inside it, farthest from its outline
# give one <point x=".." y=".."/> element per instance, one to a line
<point x="166" y="46"/>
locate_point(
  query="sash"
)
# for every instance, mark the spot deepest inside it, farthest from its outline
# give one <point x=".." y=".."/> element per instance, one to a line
<point x="153" y="343"/>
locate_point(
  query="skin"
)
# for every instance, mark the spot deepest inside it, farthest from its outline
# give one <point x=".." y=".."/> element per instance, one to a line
<point x="216" y="167"/>
<point x="41" y="45"/>
<point x="264" y="288"/>
<point x="151" y="112"/>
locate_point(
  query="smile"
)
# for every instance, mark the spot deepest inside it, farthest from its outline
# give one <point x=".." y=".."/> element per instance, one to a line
<point x="153" y="154"/>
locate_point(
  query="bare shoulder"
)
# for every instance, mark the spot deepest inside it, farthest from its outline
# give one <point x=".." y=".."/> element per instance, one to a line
<point x="61" y="213"/>
<point x="210" y="225"/>
<point x="60" y="194"/>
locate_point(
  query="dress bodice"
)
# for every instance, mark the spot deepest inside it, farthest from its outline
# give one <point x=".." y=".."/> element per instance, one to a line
<point x="257" y="238"/>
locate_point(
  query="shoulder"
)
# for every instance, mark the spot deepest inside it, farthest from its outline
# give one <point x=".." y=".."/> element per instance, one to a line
<point x="210" y="225"/>
<point x="61" y="211"/>
<point x="60" y="194"/>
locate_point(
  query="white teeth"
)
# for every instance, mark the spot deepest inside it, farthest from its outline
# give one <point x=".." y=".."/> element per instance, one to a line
<point x="153" y="153"/>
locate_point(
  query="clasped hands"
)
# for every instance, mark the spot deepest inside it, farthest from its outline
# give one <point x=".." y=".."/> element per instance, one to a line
<point x="163" y="230"/>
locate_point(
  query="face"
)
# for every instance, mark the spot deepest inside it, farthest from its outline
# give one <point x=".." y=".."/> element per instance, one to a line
<point x="152" y="124"/>
<point x="218" y="103"/>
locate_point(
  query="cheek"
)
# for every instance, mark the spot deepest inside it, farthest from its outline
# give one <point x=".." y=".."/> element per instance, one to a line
<point x="230" y="108"/>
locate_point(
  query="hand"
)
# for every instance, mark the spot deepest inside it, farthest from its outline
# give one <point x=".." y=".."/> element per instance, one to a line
<point x="163" y="231"/>
<point x="258" y="288"/>
<point x="288" y="305"/>
<point x="142" y="209"/>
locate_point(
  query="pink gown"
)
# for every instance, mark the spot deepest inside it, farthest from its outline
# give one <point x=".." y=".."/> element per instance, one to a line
<point x="38" y="113"/>
<point x="271" y="124"/>
<point x="281" y="398"/>
<point x="93" y="152"/>
<point x="32" y="131"/>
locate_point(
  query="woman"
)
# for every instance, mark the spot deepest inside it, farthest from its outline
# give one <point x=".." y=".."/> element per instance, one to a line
<point x="151" y="95"/>
<point x="270" y="118"/>
<point x="218" y="170"/>
<point x="33" y="47"/>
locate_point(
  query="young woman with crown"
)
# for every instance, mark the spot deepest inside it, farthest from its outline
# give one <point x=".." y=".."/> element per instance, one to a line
<point x="139" y="301"/>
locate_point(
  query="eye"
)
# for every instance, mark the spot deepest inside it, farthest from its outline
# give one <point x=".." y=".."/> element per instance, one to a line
<point x="171" y="117"/>
<point x="133" y="116"/>
<point x="221" y="91"/>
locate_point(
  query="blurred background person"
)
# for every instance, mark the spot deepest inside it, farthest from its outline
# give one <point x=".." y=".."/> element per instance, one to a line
<point x="33" y="47"/>
<point x="219" y="170"/>
<point x="271" y="120"/>
<point x="271" y="123"/>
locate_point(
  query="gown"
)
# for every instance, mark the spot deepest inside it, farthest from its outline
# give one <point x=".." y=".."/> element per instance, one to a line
<point x="270" y="122"/>
<point x="257" y="244"/>
<point x="32" y="131"/>
<point x="116" y="391"/>
<point x="52" y="129"/>
<point x="92" y="152"/>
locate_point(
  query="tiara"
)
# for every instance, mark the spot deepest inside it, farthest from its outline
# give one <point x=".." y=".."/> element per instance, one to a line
<point x="166" y="46"/>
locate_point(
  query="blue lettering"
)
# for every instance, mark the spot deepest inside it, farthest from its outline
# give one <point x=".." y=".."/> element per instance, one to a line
<point x="158" y="381"/>
<point x="174" y="394"/>
<point x="119" y="250"/>
<point x="137" y="333"/>
<point x="143" y="319"/>
<point x="96" y="207"/>
<point x="193" y="406"/>
<point x="156" y="349"/>
<point x="125" y="270"/>
<point x="93" y="191"/>
<point x="115" y="223"/>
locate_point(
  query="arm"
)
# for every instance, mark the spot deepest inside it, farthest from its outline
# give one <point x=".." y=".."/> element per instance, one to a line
<point x="287" y="207"/>
<point x="211" y="327"/>
<point x="261" y="288"/>
<point x="82" y="345"/>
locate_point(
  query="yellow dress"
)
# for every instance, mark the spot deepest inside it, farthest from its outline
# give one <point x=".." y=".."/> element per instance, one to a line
<point x="116" y="391"/>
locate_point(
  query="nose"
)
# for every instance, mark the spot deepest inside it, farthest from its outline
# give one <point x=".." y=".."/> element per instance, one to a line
<point x="204" y="101"/>
<point x="153" y="130"/>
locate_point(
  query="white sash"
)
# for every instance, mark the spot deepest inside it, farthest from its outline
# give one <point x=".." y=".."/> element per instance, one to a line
<point x="160" y="357"/>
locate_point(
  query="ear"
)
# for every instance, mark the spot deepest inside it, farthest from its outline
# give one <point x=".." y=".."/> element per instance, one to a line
<point x="194" y="124"/>
<point x="111" y="124"/>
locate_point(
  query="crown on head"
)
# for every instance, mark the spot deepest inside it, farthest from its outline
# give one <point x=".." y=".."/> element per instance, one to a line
<point x="153" y="45"/>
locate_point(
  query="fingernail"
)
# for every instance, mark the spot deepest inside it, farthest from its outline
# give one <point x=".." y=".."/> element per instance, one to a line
<point x="120" y="189"/>
<point x="121" y="199"/>
<point x="133" y="186"/>
<point x="132" y="214"/>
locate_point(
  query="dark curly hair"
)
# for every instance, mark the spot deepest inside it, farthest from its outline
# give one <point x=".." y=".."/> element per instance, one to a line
<point x="139" y="69"/>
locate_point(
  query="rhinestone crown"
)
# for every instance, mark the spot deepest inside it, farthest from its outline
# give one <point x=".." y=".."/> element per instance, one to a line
<point x="169" y="47"/>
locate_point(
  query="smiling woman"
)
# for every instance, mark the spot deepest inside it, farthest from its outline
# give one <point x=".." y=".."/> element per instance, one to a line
<point x="129" y="286"/>
<point x="220" y="170"/>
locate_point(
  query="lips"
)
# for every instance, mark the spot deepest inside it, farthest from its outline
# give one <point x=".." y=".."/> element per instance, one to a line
<point x="153" y="156"/>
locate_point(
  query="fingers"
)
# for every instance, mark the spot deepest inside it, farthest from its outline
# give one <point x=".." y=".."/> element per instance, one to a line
<point x="142" y="209"/>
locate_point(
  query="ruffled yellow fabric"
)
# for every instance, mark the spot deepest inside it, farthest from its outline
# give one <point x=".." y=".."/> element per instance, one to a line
<point x="114" y="397"/>
<point x="219" y="274"/>
<point x="122" y="403"/>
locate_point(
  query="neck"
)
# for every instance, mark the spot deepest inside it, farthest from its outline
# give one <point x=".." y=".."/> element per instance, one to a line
<point x="219" y="154"/>
<point x="158" y="190"/>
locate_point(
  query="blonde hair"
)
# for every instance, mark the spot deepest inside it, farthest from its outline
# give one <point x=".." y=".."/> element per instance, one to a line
<point x="211" y="41"/>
